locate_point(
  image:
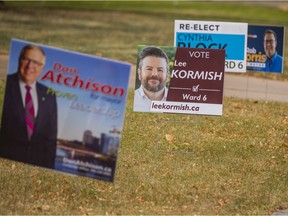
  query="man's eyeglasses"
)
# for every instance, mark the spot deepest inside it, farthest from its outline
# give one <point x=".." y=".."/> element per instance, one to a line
<point x="269" y="41"/>
<point x="34" y="62"/>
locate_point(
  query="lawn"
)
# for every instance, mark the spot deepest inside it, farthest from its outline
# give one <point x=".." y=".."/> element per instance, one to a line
<point x="235" y="164"/>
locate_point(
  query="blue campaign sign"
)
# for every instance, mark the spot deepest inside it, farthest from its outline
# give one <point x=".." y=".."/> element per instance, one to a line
<point x="79" y="108"/>
<point x="232" y="37"/>
<point x="229" y="42"/>
<point x="265" y="47"/>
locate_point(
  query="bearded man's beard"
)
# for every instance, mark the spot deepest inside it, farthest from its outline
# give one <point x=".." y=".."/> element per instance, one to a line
<point x="152" y="88"/>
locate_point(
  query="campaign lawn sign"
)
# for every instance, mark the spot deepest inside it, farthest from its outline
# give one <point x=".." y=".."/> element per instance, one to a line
<point x="195" y="84"/>
<point x="258" y="45"/>
<point x="231" y="36"/>
<point x="91" y="94"/>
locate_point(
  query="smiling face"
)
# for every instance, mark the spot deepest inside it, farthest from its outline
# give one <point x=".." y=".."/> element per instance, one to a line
<point x="270" y="44"/>
<point x="31" y="64"/>
<point x="153" y="73"/>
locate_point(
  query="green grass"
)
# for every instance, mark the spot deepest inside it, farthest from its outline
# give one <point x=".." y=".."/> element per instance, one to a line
<point x="234" y="164"/>
<point x="114" y="29"/>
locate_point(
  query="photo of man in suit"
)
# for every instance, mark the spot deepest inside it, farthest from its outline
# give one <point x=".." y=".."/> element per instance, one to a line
<point x="28" y="130"/>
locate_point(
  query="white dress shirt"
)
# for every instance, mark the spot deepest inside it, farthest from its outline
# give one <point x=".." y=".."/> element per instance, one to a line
<point x="142" y="102"/>
<point x="33" y="93"/>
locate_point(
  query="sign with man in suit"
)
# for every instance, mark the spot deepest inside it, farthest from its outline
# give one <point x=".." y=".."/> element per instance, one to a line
<point x="29" y="124"/>
<point x="63" y="110"/>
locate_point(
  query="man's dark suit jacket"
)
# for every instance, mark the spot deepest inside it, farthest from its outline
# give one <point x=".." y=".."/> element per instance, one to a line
<point x="14" y="143"/>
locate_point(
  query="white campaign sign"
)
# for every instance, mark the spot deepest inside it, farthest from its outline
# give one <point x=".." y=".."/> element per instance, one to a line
<point x="230" y="36"/>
